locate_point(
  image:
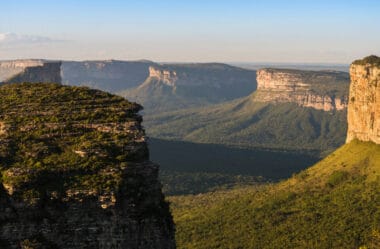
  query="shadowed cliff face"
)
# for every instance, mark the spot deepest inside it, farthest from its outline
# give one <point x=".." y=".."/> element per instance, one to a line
<point x="317" y="89"/>
<point x="364" y="105"/>
<point x="111" y="75"/>
<point x="30" y="71"/>
<point x="76" y="172"/>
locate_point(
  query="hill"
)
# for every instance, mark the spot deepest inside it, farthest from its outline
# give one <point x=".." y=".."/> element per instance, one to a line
<point x="250" y="124"/>
<point x="178" y="86"/>
<point x="290" y="110"/>
<point x="75" y="171"/>
<point x="334" y="204"/>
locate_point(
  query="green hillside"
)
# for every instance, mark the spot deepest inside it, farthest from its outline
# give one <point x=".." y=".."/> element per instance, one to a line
<point x="246" y="123"/>
<point x="334" y="204"/>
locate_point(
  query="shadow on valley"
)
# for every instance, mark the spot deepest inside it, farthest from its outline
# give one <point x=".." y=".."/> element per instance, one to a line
<point x="191" y="168"/>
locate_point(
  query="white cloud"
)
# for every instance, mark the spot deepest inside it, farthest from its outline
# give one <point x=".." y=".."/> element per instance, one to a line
<point x="12" y="38"/>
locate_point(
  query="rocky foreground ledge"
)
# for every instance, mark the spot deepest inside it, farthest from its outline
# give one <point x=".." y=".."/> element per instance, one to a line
<point x="75" y="172"/>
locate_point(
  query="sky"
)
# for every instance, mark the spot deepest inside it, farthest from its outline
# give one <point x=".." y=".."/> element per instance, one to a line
<point x="281" y="31"/>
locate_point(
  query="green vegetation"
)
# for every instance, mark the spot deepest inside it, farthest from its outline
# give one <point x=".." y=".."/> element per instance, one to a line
<point x="54" y="139"/>
<point x="334" y="204"/>
<point x="180" y="183"/>
<point x="372" y="59"/>
<point x="190" y="168"/>
<point x="248" y="124"/>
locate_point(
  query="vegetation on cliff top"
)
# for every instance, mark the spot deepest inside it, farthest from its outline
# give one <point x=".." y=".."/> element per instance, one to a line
<point x="334" y="204"/>
<point x="54" y="138"/>
<point x="330" y="83"/>
<point x="372" y="59"/>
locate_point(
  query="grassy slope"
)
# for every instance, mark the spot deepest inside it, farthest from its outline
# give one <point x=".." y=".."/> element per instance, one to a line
<point x="334" y="204"/>
<point x="246" y="123"/>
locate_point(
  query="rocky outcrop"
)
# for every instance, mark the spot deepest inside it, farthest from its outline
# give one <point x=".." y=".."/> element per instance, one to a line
<point x="167" y="76"/>
<point x="364" y="101"/>
<point x="76" y="172"/>
<point x="30" y="71"/>
<point x="321" y="90"/>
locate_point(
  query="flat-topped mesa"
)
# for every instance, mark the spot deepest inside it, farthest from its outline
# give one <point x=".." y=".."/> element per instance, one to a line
<point x="75" y="172"/>
<point x="322" y="90"/>
<point x="30" y="71"/>
<point x="364" y="101"/>
<point x="34" y="72"/>
<point x="167" y="76"/>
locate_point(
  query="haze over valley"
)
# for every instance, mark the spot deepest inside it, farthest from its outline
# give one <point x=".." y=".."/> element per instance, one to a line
<point x="192" y="124"/>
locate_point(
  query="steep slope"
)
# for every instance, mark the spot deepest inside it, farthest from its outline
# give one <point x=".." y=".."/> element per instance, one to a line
<point x="272" y="117"/>
<point x="178" y="86"/>
<point x="30" y="71"/>
<point x="108" y="75"/>
<point x="76" y="172"/>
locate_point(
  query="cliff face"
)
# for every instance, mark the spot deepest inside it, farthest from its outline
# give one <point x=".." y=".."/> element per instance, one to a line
<point x="176" y="86"/>
<point x="364" y="102"/>
<point x="169" y="77"/>
<point x="108" y="75"/>
<point x="76" y="172"/>
<point x="316" y="89"/>
<point x="30" y="71"/>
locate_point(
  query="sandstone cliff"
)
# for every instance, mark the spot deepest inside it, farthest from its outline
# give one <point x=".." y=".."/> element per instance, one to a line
<point x="364" y="101"/>
<point x="322" y="90"/>
<point x="30" y="71"/>
<point x="167" y="76"/>
<point x="76" y="172"/>
<point x="177" y="86"/>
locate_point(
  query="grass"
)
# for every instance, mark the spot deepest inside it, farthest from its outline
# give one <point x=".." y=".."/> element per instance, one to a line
<point x="334" y="204"/>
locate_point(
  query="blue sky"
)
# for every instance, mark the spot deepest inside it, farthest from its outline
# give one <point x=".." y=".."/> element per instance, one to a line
<point x="165" y="30"/>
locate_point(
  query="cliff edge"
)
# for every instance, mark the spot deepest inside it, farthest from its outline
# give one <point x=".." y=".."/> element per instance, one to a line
<point x="75" y="172"/>
<point x="18" y="71"/>
<point x="364" y="102"/>
<point x="321" y="90"/>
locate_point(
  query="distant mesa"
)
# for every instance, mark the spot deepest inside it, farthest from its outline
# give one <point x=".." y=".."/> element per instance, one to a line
<point x="33" y="71"/>
<point x="364" y="101"/>
<point x="322" y="90"/>
<point x="171" y="87"/>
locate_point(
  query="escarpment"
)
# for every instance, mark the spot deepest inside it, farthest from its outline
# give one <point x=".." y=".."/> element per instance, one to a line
<point x="364" y="101"/>
<point x="30" y="71"/>
<point x="176" y="86"/>
<point x="167" y="76"/>
<point x="322" y="90"/>
<point x="76" y="172"/>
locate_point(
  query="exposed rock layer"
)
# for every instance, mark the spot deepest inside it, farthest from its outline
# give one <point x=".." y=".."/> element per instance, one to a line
<point x="30" y="71"/>
<point x="320" y="90"/>
<point x="76" y="172"/>
<point x="364" y="104"/>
